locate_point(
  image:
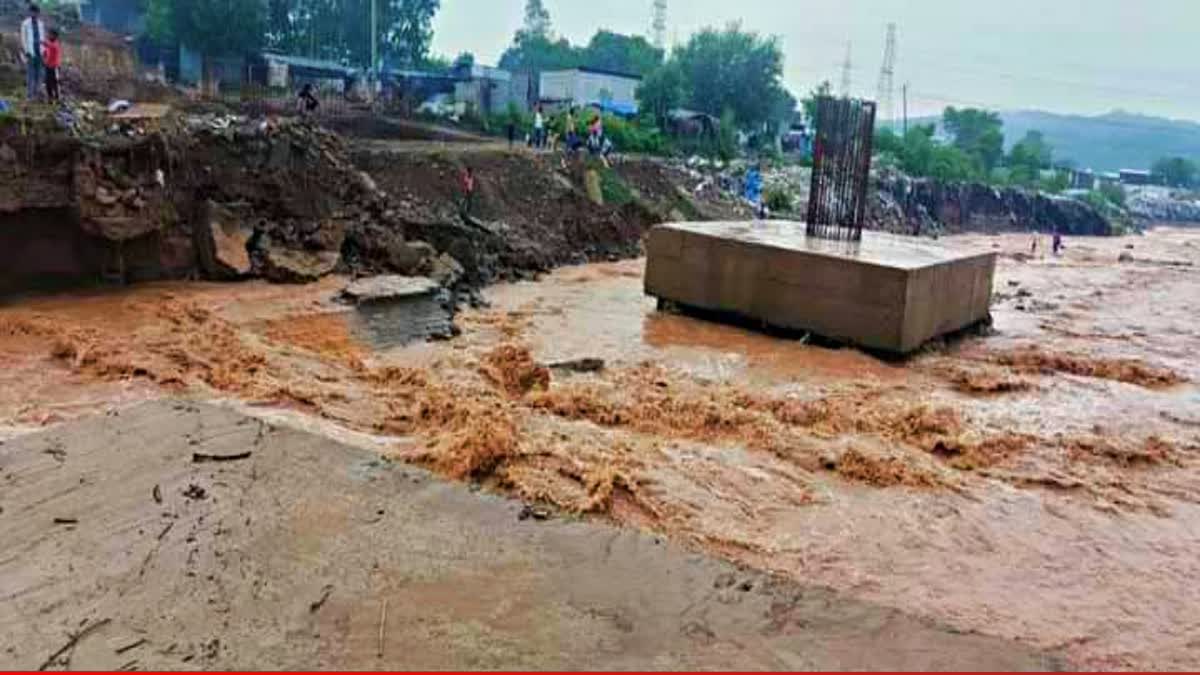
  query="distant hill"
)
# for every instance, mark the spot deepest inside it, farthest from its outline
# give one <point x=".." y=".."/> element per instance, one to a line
<point x="1118" y="140"/>
<point x="1110" y="142"/>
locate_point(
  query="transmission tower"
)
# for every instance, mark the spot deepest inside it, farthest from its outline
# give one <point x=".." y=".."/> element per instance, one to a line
<point x="658" y="24"/>
<point x="886" y="95"/>
<point x="846" y="68"/>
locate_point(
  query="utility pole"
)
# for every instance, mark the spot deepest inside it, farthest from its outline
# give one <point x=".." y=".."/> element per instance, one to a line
<point x="658" y="23"/>
<point x="886" y="92"/>
<point x="906" y="109"/>
<point x="846" y="67"/>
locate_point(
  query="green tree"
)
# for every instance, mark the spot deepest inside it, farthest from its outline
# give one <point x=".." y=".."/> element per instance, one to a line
<point x="949" y="163"/>
<point x="340" y="30"/>
<point x="732" y="69"/>
<point x="1028" y="157"/>
<point x="1060" y="181"/>
<point x="978" y="133"/>
<point x="536" y="53"/>
<point x="809" y="104"/>
<point x="212" y="27"/>
<point x="727" y="135"/>
<point x="1114" y="193"/>
<point x="537" y="19"/>
<point x="622" y="53"/>
<point x="464" y="61"/>
<point x="888" y="142"/>
<point x="918" y="154"/>
<point x="661" y="92"/>
<point x="1175" y="172"/>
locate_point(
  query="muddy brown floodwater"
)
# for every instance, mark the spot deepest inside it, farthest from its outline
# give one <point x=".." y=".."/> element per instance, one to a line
<point x="1039" y="483"/>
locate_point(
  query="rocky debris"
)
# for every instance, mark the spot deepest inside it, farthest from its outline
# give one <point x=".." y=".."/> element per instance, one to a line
<point x="1163" y="206"/>
<point x="529" y="214"/>
<point x="908" y="205"/>
<point x="903" y="205"/>
<point x="388" y="287"/>
<point x="291" y="266"/>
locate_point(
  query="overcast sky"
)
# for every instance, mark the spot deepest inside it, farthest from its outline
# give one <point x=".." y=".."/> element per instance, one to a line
<point x="1060" y="55"/>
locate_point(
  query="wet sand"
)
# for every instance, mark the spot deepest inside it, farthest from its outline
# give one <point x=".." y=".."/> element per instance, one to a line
<point x="1037" y="484"/>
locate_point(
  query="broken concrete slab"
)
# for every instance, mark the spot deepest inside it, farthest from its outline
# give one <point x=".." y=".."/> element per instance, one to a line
<point x="293" y="553"/>
<point x="886" y="292"/>
<point x="388" y="287"/>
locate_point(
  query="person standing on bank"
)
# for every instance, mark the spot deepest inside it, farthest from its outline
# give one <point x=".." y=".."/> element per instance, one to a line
<point x="52" y="57"/>
<point x="32" y="33"/>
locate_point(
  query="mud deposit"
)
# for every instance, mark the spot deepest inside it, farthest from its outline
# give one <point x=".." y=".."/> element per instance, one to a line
<point x="1039" y="484"/>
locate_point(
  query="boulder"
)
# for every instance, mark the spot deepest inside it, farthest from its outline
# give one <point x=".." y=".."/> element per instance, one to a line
<point x="291" y="266"/>
<point x="221" y="243"/>
<point x="410" y="257"/>
<point x="328" y="235"/>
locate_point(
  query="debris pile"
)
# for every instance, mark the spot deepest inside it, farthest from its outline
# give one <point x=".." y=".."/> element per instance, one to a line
<point x="162" y="196"/>
<point x="910" y="205"/>
<point x="1157" y="206"/>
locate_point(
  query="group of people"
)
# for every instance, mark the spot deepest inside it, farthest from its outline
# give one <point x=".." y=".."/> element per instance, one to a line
<point x="542" y="138"/>
<point x="41" y="50"/>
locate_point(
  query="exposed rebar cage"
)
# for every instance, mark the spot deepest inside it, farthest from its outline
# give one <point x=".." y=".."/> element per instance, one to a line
<point x="841" y="168"/>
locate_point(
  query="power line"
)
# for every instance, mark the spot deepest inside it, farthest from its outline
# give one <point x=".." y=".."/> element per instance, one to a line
<point x="886" y="95"/>
<point x="946" y="61"/>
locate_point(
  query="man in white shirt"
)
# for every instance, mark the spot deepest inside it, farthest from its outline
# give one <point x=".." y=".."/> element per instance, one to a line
<point x="539" y="128"/>
<point x="33" y="35"/>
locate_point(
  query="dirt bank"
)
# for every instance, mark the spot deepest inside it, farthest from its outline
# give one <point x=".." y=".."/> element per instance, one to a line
<point x="218" y="541"/>
<point x="220" y="197"/>
<point x="532" y="212"/>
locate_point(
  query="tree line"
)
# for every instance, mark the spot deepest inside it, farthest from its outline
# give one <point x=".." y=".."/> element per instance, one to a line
<point x="973" y="150"/>
<point x="727" y="73"/>
<point x="334" y="30"/>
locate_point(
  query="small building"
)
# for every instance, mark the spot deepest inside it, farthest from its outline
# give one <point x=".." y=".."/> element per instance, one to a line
<point x="490" y="90"/>
<point x="608" y="90"/>
<point x="282" y="71"/>
<point x="1133" y="177"/>
<point x="226" y="71"/>
<point x="1083" y="179"/>
<point x="408" y="89"/>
